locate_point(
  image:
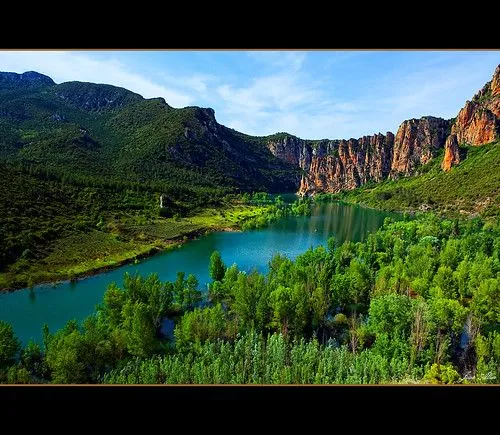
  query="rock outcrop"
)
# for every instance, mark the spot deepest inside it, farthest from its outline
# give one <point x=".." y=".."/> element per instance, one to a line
<point x="451" y="153"/>
<point x="335" y="165"/>
<point x="417" y="141"/>
<point x="478" y="122"/>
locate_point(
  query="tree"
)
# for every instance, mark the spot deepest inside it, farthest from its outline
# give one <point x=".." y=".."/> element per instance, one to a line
<point x="320" y="304"/>
<point x="486" y="301"/>
<point x="200" y="325"/>
<point x="139" y="330"/>
<point x="32" y="359"/>
<point x="442" y="374"/>
<point x="191" y="294"/>
<point x="391" y="313"/>
<point x="65" y="356"/>
<point x="179" y="288"/>
<point x="282" y="306"/>
<point x="9" y="345"/>
<point x="217" y="268"/>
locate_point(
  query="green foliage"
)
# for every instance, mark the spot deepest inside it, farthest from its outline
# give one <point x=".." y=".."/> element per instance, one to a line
<point x="442" y="374"/>
<point x="217" y="268"/>
<point x="201" y="325"/>
<point x="88" y="162"/>
<point x="9" y="345"/>
<point x="416" y="301"/>
<point x="256" y="359"/>
<point x="390" y="313"/>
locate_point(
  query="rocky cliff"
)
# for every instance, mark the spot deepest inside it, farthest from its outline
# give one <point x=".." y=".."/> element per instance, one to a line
<point x="479" y="120"/>
<point x="417" y="141"/>
<point x="335" y="165"/>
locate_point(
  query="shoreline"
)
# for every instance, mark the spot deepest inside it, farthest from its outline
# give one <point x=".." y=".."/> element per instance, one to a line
<point x="170" y="244"/>
<point x="167" y="245"/>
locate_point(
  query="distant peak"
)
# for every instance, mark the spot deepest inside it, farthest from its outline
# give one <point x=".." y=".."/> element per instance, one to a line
<point x="28" y="78"/>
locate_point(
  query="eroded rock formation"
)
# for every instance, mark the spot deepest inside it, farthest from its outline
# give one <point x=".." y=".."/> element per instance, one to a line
<point x="335" y="165"/>
<point x="451" y="153"/>
<point x="478" y="122"/>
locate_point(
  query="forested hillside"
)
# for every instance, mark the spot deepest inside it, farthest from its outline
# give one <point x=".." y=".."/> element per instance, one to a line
<point x="108" y="132"/>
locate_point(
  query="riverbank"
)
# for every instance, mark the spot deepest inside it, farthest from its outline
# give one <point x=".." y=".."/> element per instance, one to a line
<point x="121" y="242"/>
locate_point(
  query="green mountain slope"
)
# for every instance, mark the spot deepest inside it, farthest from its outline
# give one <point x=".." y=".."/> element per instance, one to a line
<point x="87" y="129"/>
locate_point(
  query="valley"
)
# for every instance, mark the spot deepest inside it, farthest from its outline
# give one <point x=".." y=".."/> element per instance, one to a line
<point x="142" y="243"/>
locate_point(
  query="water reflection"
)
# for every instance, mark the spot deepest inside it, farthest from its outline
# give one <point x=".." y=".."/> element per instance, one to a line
<point x="27" y="310"/>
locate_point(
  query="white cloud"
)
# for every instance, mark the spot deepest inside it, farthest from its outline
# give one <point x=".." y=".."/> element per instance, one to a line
<point x="310" y="95"/>
<point x="287" y="60"/>
<point x="282" y="92"/>
<point x="64" y="66"/>
<point x="196" y="82"/>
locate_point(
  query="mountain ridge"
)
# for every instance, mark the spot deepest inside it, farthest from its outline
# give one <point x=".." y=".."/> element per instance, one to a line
<point x="120" y="132"/>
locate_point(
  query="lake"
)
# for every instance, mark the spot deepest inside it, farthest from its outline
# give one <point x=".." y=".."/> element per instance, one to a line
<point x="27" y="310"/>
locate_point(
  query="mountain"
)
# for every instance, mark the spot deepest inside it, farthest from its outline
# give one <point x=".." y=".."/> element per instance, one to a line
<point x="337" y="165"/>
<point x="103" y="131"/>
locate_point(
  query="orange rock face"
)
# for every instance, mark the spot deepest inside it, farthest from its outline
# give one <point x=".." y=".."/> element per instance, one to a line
<point x="416" y="142"/>
<point x="336" y="165"/>
<point x="451" y="154"/>
<point x="479" y="121"/>
<point x="475" y="125"/>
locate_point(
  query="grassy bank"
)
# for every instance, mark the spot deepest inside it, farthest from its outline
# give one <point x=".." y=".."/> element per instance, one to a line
<point x="120" y="241"/>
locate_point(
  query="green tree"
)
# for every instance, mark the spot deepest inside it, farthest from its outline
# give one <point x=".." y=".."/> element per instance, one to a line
<point x="217" y="268"/>
<point x="201" y="325"/>
<point x="442" y="374"/>
<point x="191" y="294"/>
<point x="33" y="360"/>
<point x="65" y="357"/>
<point x="139" y="330"/>
<point x="9" y="345"/>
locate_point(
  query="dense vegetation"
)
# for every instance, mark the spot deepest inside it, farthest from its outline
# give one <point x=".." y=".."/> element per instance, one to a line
<point x="471" y="188"/>
<point x="108" y="132"/>
<point x="84" y="166"/>
<point x="55" y="227"/>
<point x="416" y="302"/>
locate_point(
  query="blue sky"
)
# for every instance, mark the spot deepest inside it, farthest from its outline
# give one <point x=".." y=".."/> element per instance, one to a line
<point x="312" y="94"/>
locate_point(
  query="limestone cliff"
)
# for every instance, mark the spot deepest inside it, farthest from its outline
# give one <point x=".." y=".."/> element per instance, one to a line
<point x="451" y="153"/>
<point x="417" y="141"/>
<point x="335" y="165"/>
<point x="479" y="120"/>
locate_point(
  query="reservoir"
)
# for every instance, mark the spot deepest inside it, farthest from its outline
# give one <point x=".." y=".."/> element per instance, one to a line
<point x="27" y="310"/>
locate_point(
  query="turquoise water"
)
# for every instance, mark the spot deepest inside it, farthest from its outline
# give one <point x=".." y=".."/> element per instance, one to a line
<point x="27" y="310"/>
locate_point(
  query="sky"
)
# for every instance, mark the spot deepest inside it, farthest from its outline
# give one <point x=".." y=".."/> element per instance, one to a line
<point x="311" y="94"/>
